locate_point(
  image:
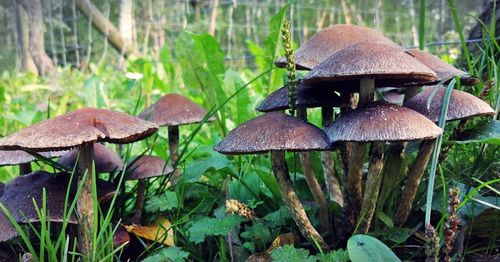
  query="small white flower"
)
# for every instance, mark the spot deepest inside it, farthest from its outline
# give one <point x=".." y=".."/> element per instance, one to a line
<point x="133" y="76"/>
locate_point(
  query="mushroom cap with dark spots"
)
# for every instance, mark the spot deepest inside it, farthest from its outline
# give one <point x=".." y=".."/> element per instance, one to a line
<point x="388" y="65"/>
<point x="307" y="96"/>
<point x="86" y="125"/>
<point x="329" y="40"/>
<point x="17" y="157"/>
<point x="19" y="192"/>
<point x="174" y="110"/>
<point x="462" y="104"/>
<point x="273" y="131"/>
<point x="147" y="166"/>
<point x="382" y="122"/>
<point x="105" y="160"/>
<point x="443" y="70"/>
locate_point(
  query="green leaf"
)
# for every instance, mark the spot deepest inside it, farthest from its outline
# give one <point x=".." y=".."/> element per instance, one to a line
<point x="242" y="101"/>
<point x="198" y="167"/>
<point x="168" y="254"/>
<point x="94" y="93"/>
<point x="488" y="133"/>
<point x="363" y="248"/>
<point x="290" y="254"/>
<point x="207" y="226"/>
<point x="278" y="217"/>
<point x="339" y="255"/>
<point x="161" y="203"/>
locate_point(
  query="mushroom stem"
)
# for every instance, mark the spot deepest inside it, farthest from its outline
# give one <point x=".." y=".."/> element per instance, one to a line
<point x="312" y="182"/>
<point x="173" y="147"/>
<point x="139" y="202"/>
<point x="410" y="92"/>
<point x="291" y="200"/>
<point x="372" y="187"/>
<point x="332" y="183"/>
<point x="24" y="168"/>
<point x="415" y="174"/>
<point x="85" y="204"/>
<point x="354" y="190"/>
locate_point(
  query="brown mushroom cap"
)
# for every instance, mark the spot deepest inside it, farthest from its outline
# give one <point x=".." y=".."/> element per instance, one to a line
<point x="462" y="105"/>
<point x="106" y="161"/>
<point x="329" y="40"/>
<point x="146" y="167"/>
<point x="443" y="70"/>
<point x="384" y="122"/>
<point x="273" y="131"/>
<point x="388" y="65"/>
<point x="174" y="110"/>
<point x="7" y="230"/>
<point x="307" y="96"/>
<point x="84" y="125"/>
<point x="17" y="157"/>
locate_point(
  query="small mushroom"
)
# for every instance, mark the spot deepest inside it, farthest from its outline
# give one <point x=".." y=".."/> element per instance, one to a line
<point x="23" y="159"/>
<point x="330" y="40"/>
<point x="276" y="133"/>
<point x="173" y="110"/>
<point x="377" y="123"/>
<point x="81" y="128"/>
<point x="105" y="160"/>
<point x="141" y="169"/>
<point x="461" y="107"/>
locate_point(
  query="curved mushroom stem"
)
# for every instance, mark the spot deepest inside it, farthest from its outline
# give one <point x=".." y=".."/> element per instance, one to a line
<point x="312" y="182"/>
<point x="173" y="147"/>
<point x="139" y="202"/>
<point x="415" y="174"/>
<point x="332" y="183"/>
<point x="354" y="174"/>
<point x="372" y="187"/>
<point x="291" y="200"/>
<point x="85" y="204"/>
<point x="24" y="168"/>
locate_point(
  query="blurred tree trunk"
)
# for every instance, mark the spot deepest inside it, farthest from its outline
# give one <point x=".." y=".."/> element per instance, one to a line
<point x="126" y="20"/>
<point x="22" y="31"/>
<point x="36" y="41"/>
<point x="104" y="26"/>
<point x="214" y="5"/>
<point x="477" y="31"/>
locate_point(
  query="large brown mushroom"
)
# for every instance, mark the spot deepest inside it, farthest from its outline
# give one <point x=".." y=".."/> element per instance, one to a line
<point x="377" y="123"/>
<point x="105" y="160"/>
<point x="276" y="133"/>
<point x="141" y="169"/>
<point x="461" y="107"/>
<point x="173" y="110"/>
<point x="330" y="40"/>
<point x="23" y="159"/>
<point x="81" y="128"/>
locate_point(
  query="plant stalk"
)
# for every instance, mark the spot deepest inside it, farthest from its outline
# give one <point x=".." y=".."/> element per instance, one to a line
<point x="292" y="202"/>
<point x="415" y="174"/>
<point x="139" y="202"/>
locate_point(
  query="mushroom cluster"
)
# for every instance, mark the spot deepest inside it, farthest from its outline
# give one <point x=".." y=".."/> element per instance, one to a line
<point x="345" y="64"/>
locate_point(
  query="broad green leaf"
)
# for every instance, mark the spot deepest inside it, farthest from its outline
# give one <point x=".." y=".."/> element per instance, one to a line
<point x="161" y="203"/>
<point x="198" y="167"/>
<point x="278" y="217"/>
<point x="488" y="133"/>
<point x="364" y="248"/>
<point x="173" y="254"/>
<point x="241" y="103"/>
<point x="486" y="224"/>
<point x="290" y="254"/>
<point x="94" y="93"/>
<point x="339" y="255"/>
<point x="207" y="226"/>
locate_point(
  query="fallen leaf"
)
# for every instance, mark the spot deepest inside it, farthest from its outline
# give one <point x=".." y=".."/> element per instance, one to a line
<point x="159" y="231"/>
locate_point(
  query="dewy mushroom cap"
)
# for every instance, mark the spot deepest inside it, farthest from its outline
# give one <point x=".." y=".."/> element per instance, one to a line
<point x="462" y="105"/>
<point x="86" y="125"/>
<point x="389" y="66"/>
<point x="329" y="40"/>
<point x="146" y="167"/>
<point x="273" y="131"/>
<point x="384" y="122"/>
<point x="174" y="110"/>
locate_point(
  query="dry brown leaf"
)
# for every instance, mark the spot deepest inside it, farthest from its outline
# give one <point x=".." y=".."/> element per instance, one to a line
<point x="160" y="231"/>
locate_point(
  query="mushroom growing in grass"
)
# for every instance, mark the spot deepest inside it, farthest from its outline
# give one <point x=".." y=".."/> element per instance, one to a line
<point x="21" y="191"/>
<point x="81" y="128"/>
<point x="276" y="133"/>
<point x="461" y="107"/>
<point x="141" y="169"/>
<point x="23" y="159"/>
<point x="371" y="65"/>
<point x="444" y="71"/>
<point x="310" y="97"/>
<point x="105" y="160"/>
<point x="378" y="123"/>
<point x="173" y="110"/>
<point x="327" y="41"/>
